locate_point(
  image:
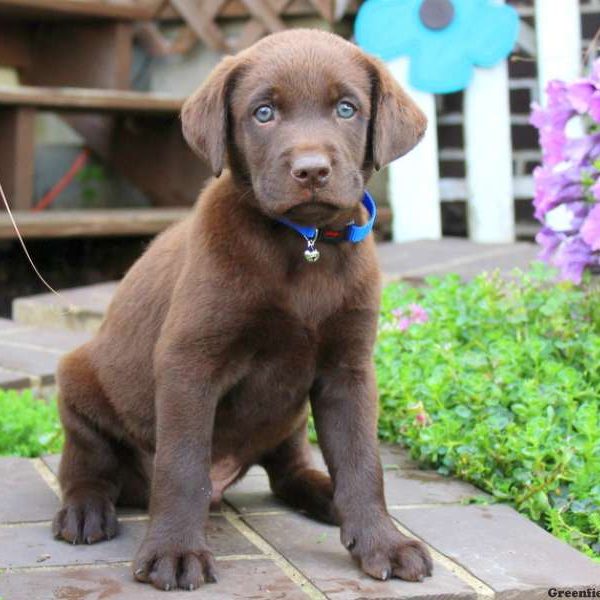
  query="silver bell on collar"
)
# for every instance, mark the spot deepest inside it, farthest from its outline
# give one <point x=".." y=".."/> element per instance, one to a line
<point x="311" y="254"/>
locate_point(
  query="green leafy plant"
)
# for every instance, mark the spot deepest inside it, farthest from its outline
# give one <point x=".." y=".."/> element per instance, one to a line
<point x="29" y="426"/>
<point x="500" y="385"/>
<point x="89" y="178"/>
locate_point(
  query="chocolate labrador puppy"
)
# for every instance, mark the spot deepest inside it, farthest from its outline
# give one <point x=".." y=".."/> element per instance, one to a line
<point x="227" y="327"/>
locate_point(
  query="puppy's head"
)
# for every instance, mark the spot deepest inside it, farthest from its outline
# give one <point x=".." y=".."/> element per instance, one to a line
<point x="303" y="116"/>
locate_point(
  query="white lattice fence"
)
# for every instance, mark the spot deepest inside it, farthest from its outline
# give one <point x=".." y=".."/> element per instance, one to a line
<point x="416" y="189"/>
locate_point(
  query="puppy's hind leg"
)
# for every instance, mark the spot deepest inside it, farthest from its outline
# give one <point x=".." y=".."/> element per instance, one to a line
<point x="295" y="480"/>
<point x="89" y="468"/>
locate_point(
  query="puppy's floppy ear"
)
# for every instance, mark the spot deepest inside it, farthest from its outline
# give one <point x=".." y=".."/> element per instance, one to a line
<point x="397" y="123"/>
<point x="205" y="115"/>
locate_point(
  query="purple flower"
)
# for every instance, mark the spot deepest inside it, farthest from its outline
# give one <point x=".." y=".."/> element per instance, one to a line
<point x="572" y="256"/>
<point x="554" y="185"/>
<point x="418" y="314"/>
<point x="590" y="230"/>
<point x="403" y="323"/>
<point x="569" y="178"/>
<point x="415" y="314"/>
<point x="582" y="150"/>
<point x="580" y="94"/>
<point x="595" y="189"/>
<point x="553" y="143"/>
<point x="579" y="212"/>
<point x="595" y="107"/>
<point x="539" y="116"/>
<point x="585" y="94"/>
<point x="549" y="240"/>
<point x="595" y="74"/>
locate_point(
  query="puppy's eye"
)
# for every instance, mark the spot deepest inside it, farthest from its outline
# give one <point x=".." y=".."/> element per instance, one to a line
<point x="264" y="113"/>
<point x="345" y="110"/>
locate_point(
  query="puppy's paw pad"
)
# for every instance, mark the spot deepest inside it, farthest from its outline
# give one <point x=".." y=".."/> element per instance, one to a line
<point x="177" y="568"/>
<point x="411" y="561"/>
<point x="388" y="553"/>
<point x="86" y="520"/>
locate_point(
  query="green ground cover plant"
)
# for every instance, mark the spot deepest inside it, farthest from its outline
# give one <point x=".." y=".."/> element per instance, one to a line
<point x="29" y="425"/>
<point x="498" y="382"/>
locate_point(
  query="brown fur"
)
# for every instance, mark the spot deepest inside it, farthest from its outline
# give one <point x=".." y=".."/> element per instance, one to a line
<point x="221" y="333"/>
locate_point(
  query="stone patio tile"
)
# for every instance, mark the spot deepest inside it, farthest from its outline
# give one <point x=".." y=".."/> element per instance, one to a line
<point x="509" y="553"/>
<point x="258" y="579"/>
<point x="315" y="549"/>
<point x="7" y="327"/>
<point x="392" y="458"/>
<point x="247" y="487"/>
<point x="521" y="256"/>
<point x="252" y="494"/>
<point x="25" y="495"/>
<point x="54" y="339"/>
<point x="13" y="380"/>
<point x="34" y="352"/>
<point x="402" y="487"/>
<point x="407" y="487"/>
<point x="417" y="256"/>
<point x="451" y="255"/>
<point x="22" y="546"/>
<point x="395" y="457"/>
<point x="52" y="462"/>
<point x="37" y="363"/>
<point x="47" y="310"/>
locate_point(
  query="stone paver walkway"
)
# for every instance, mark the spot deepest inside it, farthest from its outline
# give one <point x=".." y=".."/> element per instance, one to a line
<point x="29" y="355"/>
<point x="265" y="550"/>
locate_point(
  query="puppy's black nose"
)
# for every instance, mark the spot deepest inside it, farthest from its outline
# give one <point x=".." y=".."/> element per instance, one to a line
<point x="311" y="169"/>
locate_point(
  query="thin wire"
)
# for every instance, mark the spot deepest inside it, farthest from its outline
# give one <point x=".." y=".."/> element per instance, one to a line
<point x="14" y="224"/>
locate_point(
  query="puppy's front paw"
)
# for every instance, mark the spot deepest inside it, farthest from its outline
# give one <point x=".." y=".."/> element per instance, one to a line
<point x="171" y="565"/>
<point x="383" y="552"/>
<point x="85" y="518"/>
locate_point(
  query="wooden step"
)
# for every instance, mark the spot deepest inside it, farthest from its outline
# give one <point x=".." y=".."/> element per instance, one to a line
<point x="132" y="132"/>
<point x="76" y="10"/>
<point x="89" y="100"/>
<point x="90" y="223"/>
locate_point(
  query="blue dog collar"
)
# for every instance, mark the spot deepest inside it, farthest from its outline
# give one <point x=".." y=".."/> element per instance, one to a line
<point x="351" y="233"/>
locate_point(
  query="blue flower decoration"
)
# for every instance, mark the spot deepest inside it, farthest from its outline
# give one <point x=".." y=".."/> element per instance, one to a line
<point x="444" y="39"/>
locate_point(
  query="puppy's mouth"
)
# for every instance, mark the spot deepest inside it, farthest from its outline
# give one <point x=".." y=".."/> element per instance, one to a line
<point x="313" y="213"/>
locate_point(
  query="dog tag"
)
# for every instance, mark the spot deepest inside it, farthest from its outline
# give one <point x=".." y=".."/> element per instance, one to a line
<point x="311" y="254"/>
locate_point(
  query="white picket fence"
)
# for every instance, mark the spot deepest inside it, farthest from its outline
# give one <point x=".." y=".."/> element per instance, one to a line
<point x="415" y="187"/>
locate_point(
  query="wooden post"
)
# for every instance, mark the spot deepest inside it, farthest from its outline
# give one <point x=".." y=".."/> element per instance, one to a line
<point x="17" y="156"/>
<point x="488" y="153"/>
<point x="414" y="178"/>
<point x="558" y="20"/>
